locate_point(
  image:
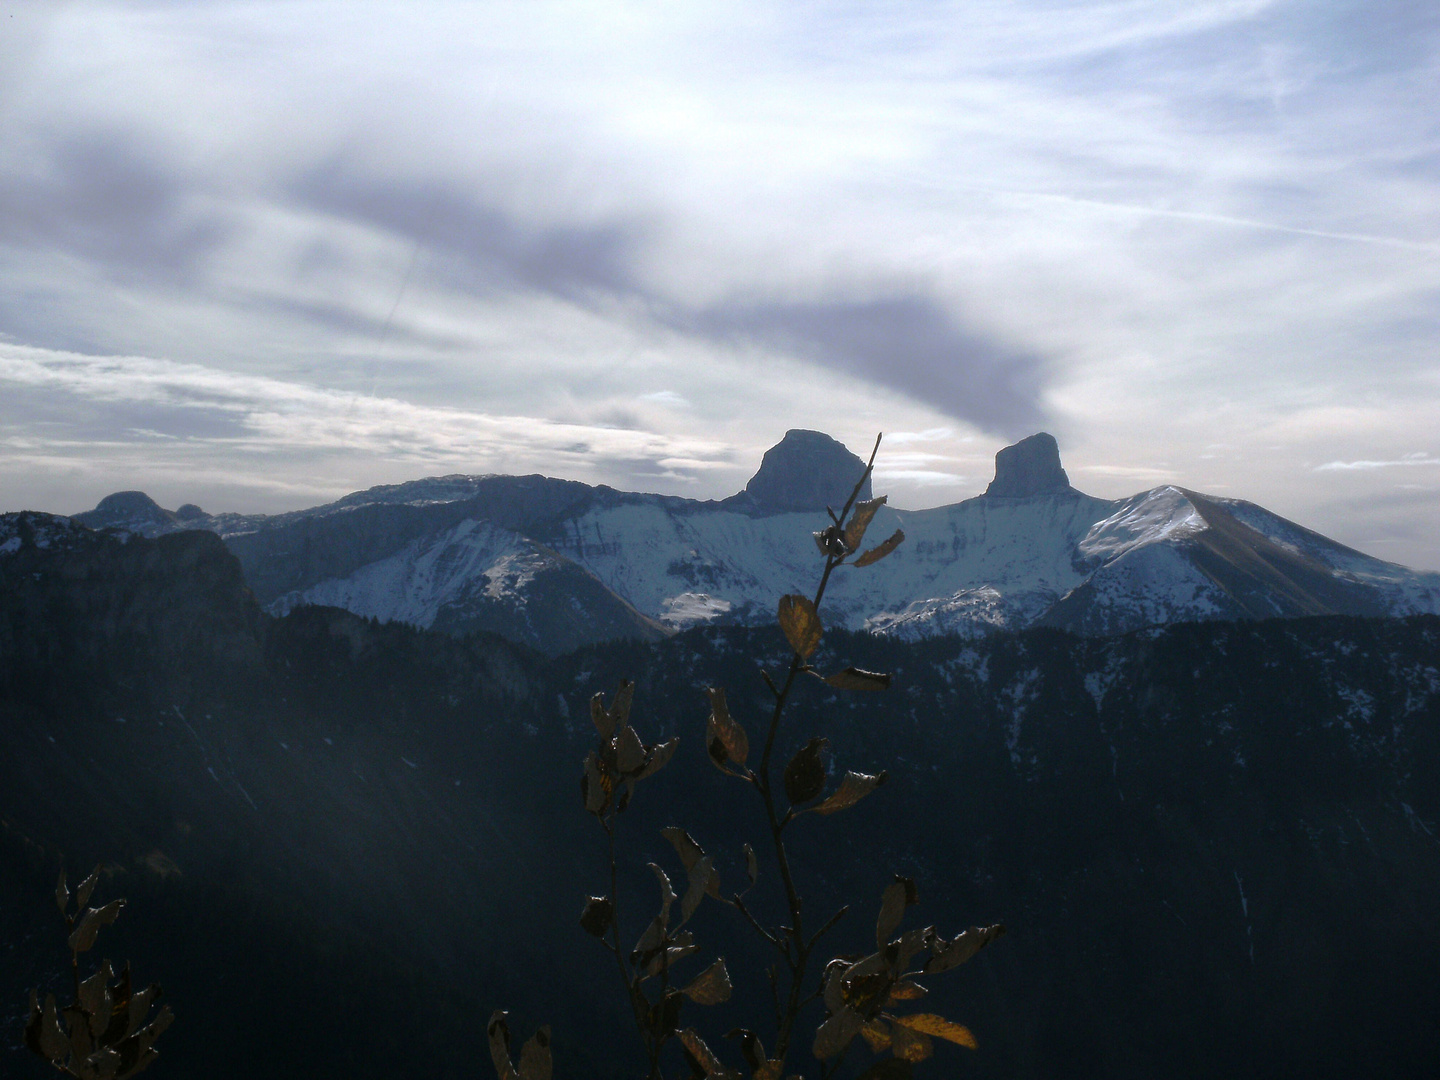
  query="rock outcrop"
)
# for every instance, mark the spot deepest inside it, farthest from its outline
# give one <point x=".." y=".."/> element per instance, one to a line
<point x="1028" y="468"/>
<point x="806" y="470"/>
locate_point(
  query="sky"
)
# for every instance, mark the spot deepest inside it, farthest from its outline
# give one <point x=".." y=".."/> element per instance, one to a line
<point x="256" y="255"/>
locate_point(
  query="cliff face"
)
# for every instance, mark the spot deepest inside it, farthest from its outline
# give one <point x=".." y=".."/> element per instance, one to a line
<point x="1029" y="468"/>
<point x="806" y="470"/>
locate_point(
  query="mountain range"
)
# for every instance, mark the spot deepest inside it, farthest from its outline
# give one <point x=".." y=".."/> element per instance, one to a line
<point x="558" y="564"/>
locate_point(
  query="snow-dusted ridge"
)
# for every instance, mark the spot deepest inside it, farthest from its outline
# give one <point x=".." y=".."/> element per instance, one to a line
<point x="464" y="552"/>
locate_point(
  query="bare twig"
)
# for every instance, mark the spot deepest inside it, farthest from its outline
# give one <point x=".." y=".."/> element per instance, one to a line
<point x="766" y="934"/>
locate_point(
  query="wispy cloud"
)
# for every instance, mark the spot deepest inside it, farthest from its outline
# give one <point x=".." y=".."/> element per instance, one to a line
<point x="1409" y="461"/>
<point x="247" y="415"/>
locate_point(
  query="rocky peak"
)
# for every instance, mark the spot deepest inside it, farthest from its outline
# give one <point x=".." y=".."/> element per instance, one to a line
<point x="1029" y="467"/>
<point x="132" y="510"/>
<point x="806" y="470"/>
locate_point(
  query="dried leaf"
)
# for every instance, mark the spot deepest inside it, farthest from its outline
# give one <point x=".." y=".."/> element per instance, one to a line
<point x="685" y="845"/>
<point x="140" y="1007"/>
<point x="835" y="1033"/>
<point x="879" y="552"/>
<point x="119" y="1025"/>
<point x="82" y="938"/>
<point x="860" y="521"/>
<point x="711" y="986"/>
<point x="105" y="1063"/>
<point x="877" y="1033"/>
<point x="683" y="948"/>
<point x="700" y="1055"/>
<point x="898" y="895"/>
<point x="85" y="888"/>
<point x="664" y="1016"/>
<point x="853" y="678"/>
<point x="832" y="985"/>
<point x="160" y="1024"/>
<point x="751" y="1048"/>
<point x="595" y="786"/>
<point x="725" y="739"/>
<point x="92" y="990"/>
<point x="909" y="1044"/>
<point x="94" y="997"/>
<point x="805" y="775"/>
<point x="667" y="892"/>
<point x="659" y="757"/>
<point x="752" y="864"/>
<point x="938" y="1026"/>
<point x="801" y="624"/>
<point x="620" y="707"/>
<point x="82" y="1043"/>
<point x="854" y="787"/>
<point x="650" y="942"/>
<point x="770" y="1070"/>
<point x="135" y="1052"/>
<point x="910" y="943"/>
<point x="691" y="853"/>
<point x="42" y="1031"/>
<point x="598" y="914"/>
<point x="864" y="993"/>
<point x="62" y="893"/>
<point x="535" y="1061"/>
<point x="498" y="1032"/>
<point x="870" y="965"/>
<point x="702" y="879"/>
<point x="629" y="751"/>
<point x="948" y="954"/>
<point x="600" y="716"/>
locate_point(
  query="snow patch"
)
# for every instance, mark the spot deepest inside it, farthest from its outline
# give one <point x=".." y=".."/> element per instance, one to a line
<point x="692" y="609"/>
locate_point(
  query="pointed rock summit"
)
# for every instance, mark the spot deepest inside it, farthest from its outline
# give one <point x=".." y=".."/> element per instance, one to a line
<point x="806" y="470"/>
<point x="1030" y="467"/>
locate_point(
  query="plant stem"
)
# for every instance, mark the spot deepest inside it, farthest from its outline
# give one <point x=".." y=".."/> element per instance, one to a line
<point x="615" y="948"/>
<point x="798" y="949"/>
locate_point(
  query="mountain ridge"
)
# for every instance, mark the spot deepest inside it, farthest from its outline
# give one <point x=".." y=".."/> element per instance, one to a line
<point x="1030" y="551"/>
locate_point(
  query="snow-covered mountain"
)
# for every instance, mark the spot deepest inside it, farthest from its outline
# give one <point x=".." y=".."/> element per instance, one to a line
<point x="557" y="563"/>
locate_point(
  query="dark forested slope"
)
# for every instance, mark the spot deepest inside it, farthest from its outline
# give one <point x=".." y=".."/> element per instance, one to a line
<point x="345" y="843"/>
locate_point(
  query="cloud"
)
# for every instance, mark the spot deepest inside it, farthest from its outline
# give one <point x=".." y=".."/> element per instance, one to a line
<point x="910" y="343"/>
<point x="903" y="438"/>
<point x="489" y="247"/>
<point x="1410" y="460"/>
<point x="243" y="415"/>
<point x="1127" y="472"/>
<point x="106" y="200"/>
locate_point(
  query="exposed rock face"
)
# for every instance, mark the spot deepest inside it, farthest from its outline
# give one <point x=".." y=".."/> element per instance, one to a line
<point x="1030" y="467"/>
<point x="806" y="470"/>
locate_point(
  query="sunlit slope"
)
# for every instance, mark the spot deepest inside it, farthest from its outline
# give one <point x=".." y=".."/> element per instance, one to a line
<point x="984" y="562"/>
